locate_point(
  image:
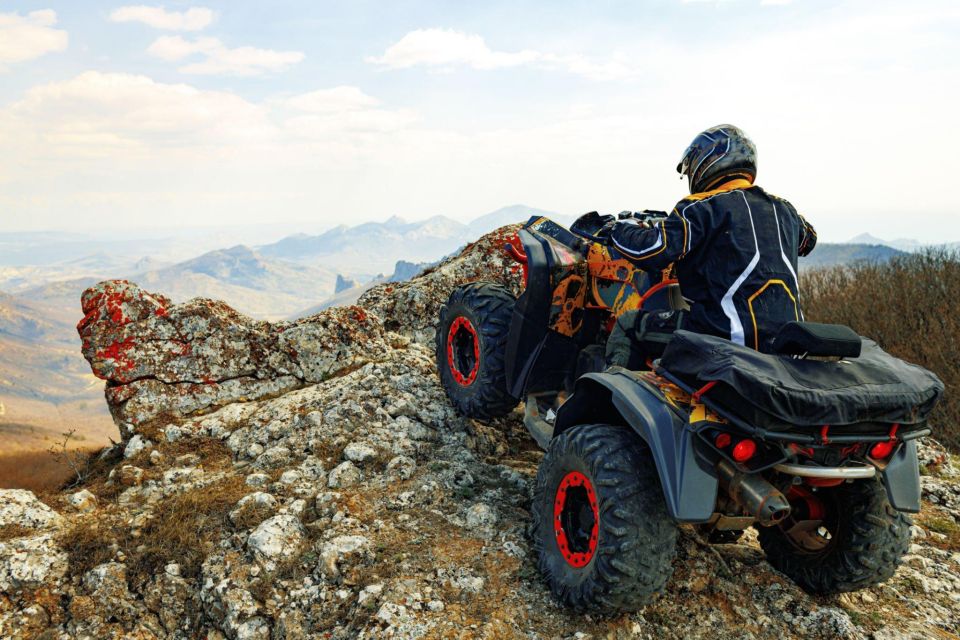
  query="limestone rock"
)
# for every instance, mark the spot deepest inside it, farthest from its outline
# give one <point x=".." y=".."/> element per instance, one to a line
<point x="346" y="474"/>
<point x="30" y="562"/>
<point x="276" y="538"/>
<point x="83" y="501"/>
<point x="342" y="550"/>
<point x="21" y="508"/>
<point x="176" y="360"/>
<point x="359" y="452"/>
<point x="135" y="445"/>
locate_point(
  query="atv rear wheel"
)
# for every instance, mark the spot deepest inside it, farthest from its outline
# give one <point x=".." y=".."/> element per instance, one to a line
<point x="840" y="539"/>
<point x="471" y="345"/>
<point x="601" y="529"/>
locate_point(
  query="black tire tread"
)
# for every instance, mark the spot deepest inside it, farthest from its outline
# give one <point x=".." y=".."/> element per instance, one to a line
<point x="492" y="308"/>
<point x="637" y="541"/>
<point x="874" y="538"/>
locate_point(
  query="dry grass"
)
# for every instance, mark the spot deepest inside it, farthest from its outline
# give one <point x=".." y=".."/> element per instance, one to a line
<point x="941" y="522"/>
<point x="9" y="531"/>
<point x="910" y="306"/>
<point x="183" y="528"/>
<point x="87" y="545"/>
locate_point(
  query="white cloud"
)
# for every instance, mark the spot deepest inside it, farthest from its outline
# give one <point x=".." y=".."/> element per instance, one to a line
<point x="96" y="114"/>
<point x="332" y="100"/>
<point x="27" y="37"/>
<point x="218" y="59"/>
<point x="447" y="48"/>
<point x="766" y="3"/>
<point x="193" y="19"/>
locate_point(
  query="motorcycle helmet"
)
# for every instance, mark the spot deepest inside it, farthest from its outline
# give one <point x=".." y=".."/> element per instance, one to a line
<point x="719" y="154"/>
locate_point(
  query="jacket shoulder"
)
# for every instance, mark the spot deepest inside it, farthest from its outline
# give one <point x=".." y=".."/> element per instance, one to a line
<point x="777" y="199"/>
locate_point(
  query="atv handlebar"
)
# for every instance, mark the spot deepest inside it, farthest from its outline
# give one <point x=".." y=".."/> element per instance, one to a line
<point x="596" y="228"/>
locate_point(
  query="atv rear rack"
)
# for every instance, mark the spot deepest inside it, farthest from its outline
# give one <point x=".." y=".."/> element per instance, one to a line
<point x="786" y="436"/>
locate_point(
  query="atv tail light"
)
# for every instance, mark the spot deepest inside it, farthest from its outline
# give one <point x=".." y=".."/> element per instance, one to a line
<point x="744" y="450"/>
<point x="881" y="450"/>
<point x="723" y="441"/>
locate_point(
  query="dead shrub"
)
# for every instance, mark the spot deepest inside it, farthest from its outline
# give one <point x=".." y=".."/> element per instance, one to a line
<point x="910" y="306"/>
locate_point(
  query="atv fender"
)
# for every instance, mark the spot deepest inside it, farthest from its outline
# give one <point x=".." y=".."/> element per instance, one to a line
<point x="615" y="397"/>
<point x="901" y="477"/>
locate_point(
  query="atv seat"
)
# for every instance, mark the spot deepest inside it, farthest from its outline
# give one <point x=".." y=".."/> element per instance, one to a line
<point x="818" y="340"/>
<point x="776" y="392"/>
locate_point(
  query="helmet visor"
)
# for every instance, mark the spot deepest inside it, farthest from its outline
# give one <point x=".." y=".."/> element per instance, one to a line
<point x="683" y="167"/>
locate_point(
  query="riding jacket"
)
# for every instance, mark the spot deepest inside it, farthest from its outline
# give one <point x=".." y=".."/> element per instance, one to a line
<point x="735" y="250"/>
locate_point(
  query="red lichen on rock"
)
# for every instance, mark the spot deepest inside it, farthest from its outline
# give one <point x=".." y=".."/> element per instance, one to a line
<point x="119" y="353"/>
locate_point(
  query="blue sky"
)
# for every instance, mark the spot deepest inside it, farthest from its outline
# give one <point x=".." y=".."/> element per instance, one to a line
<point x="212" y="113"/>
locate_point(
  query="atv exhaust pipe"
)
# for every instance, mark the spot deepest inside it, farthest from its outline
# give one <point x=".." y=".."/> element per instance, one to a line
<point x="753" y="494"/>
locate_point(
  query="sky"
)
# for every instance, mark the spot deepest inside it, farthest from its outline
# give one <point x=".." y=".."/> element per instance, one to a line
<point x="122" y="116"/>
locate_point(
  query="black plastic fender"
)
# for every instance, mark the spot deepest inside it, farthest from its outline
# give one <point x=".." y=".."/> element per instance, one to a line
<point x="901" y="477"/>
<point x="689" y="483"/>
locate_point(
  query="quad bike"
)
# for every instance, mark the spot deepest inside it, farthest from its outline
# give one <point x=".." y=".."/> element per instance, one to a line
<point x="815" y="445"/>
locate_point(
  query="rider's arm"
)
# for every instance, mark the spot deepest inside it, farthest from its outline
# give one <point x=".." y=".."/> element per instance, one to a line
<point x="808" y="237"/>
<point x="656" y="247"/>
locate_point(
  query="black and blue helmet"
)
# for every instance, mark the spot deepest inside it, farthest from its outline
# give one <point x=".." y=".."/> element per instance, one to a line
<point x="720" y="153"/>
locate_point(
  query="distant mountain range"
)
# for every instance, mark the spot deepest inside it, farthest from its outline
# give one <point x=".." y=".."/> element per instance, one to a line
<point x="346" y="295"/>
<point x="827" y="254"/>
<point x="374" y="247"/>
<point x="907" y="245"/>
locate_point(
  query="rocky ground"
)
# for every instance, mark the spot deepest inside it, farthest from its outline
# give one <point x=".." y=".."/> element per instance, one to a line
<point x="309" y="479"/>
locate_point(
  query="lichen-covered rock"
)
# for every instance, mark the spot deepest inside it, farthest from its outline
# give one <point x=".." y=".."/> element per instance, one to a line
<point x="346" y="474"/>
<point x="277" y="538"/>
<point x="83" y="501"/>
<point x="341" y="550"/>
<point x="176" y="360"/>
<point x="27" y="563"/>
<point x="21" y="508"/>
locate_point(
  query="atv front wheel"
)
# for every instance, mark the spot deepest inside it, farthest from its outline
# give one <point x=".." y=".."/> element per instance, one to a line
<point x="471" y="345"/>
<point x="600" y="525"/>
<point x="839" y="539"/>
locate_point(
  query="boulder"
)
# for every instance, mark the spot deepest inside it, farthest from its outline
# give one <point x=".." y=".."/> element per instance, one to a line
<point x="27" y="563"/>
<point x="21" y="508"/>
<point x="277" y="538"/>
<point x="171" y="361"/>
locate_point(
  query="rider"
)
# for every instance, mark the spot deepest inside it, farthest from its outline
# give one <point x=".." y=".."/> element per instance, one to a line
<point x="734" y="245"/>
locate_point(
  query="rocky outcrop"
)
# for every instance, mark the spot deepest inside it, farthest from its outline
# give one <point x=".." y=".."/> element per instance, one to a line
<point x="412" y="307"/>
<point x="164" y="362"/>
<point x="359" y="505"/>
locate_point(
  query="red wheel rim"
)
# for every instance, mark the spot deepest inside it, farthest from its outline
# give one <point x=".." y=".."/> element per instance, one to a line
<point x="576" y="519"/>
<point x="463" y="351"/>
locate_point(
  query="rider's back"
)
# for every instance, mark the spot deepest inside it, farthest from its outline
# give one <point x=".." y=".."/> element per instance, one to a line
<point x="740" y="275"/>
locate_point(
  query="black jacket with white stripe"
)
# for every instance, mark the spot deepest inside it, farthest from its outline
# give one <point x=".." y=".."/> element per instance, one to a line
<point x="735" y="250"/>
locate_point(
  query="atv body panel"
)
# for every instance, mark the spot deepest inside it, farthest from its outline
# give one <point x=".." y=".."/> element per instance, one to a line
<point x="618" y="396"/>
<point x="574" y="287"/>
